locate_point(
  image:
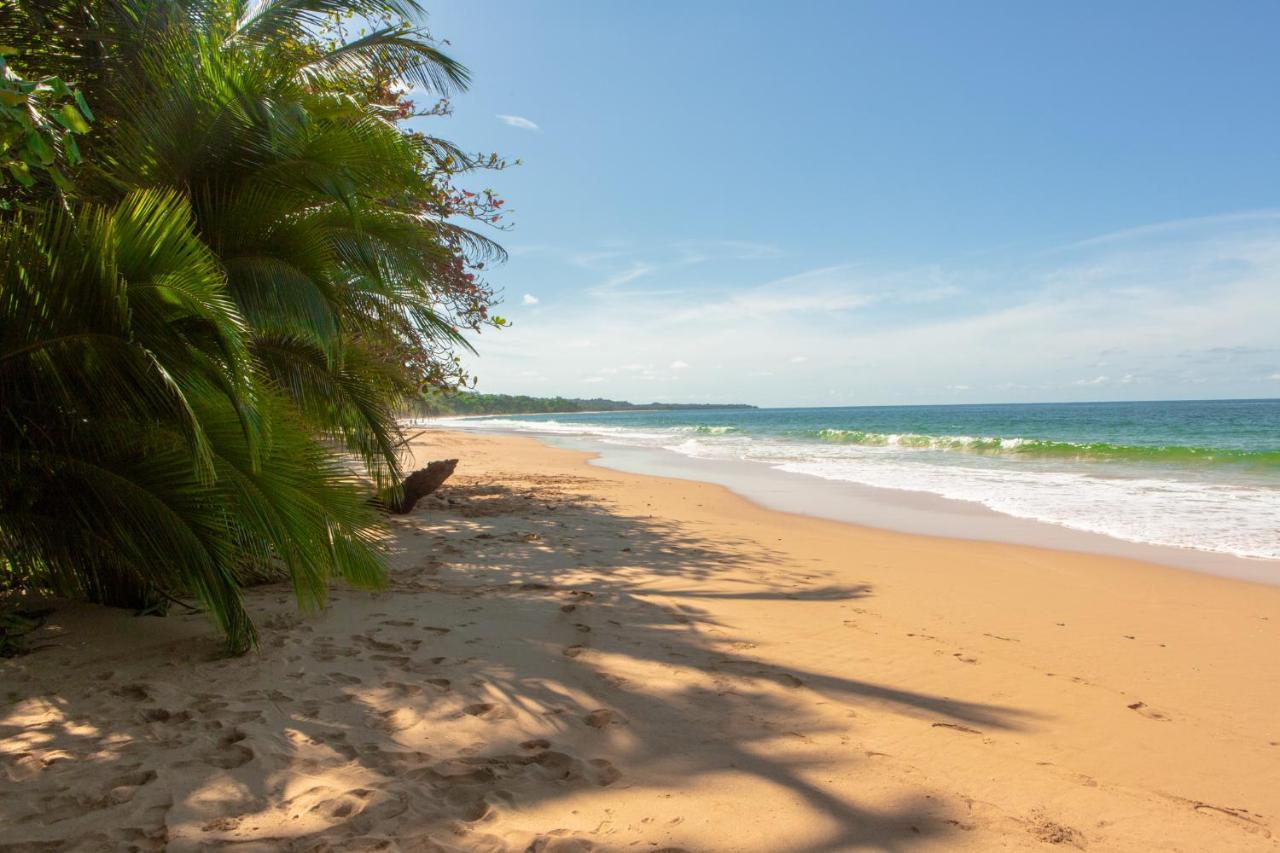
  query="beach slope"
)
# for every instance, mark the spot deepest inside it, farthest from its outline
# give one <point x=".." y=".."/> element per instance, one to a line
<point x="573" y="659"/>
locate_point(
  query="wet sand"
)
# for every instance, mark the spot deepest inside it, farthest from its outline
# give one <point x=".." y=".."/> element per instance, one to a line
<point x="571" y="658"/>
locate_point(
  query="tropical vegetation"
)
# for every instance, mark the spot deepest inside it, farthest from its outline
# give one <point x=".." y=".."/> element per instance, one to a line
<point x="226" y="262"/>
<point x="434" y="402"/>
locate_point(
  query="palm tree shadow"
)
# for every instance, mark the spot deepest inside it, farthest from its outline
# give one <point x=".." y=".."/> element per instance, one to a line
<point x="596" y="642"/>
<point x="646" y="577"/>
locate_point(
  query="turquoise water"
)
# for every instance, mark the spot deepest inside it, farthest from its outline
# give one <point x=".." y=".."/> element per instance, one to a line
<point x="1195" y="474"/>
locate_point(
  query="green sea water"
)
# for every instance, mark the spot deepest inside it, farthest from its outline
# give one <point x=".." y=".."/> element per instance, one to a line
<point x="1192" y="474"/>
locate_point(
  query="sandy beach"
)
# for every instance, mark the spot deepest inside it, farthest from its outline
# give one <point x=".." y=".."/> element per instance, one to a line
<point x="576" y="659"/>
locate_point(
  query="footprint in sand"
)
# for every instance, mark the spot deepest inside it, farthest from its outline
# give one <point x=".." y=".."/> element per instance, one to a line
<point x="403" y="690"/>
<point x="344" y="679"/>
<point x="164" y="715"/>
<point x="1147" y="711"/>
<point x="231" y="752"/>
<point x="1052" y="832"/>
<point x="398" y="660"/>
<point x="566" y="768"/>
<point x="122" y="788"/>
<point x="573" y="651"/>
<point x="472" y="810"/>
<point x="398" y="719"/>
<point x="602" y="773"/>
<point x="374" y="643"/>
<point x="138" y="692"/>
<point x="342" y="806"/>
<point x="488" y="711"/>
<point x="602" y="717"/>
<point x="337" y="742"/>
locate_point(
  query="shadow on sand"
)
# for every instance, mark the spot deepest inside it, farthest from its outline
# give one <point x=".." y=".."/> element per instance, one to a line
<point x="552" y="646"/>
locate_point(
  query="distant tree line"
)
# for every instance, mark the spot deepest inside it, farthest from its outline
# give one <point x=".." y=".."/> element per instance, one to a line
<point x="435" y="403"/>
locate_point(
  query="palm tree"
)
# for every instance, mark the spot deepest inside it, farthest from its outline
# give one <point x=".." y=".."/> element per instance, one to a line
<point x="252" y="263"/>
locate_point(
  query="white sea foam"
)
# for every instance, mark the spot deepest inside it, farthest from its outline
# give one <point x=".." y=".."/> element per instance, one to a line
<point x="1124" y="502"/>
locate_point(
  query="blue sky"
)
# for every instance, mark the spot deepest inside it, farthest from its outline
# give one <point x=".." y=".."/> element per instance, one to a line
<point x="844" y="203"/>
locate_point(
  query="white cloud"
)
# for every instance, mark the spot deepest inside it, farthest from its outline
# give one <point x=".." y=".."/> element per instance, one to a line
<point x="1186" y="311"/>
<point x="798" y="359"/>
<point x="617" y="280"/>
<point x="958" y="388"/>
<point x="519" y="121"/>
<point x="678" y="365"/>
<point x="1174" y="226"/>
<point x="530" y="299"/>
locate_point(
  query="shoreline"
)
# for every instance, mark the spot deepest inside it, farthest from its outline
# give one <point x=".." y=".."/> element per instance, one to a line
<point x="575" y="658"/>
<point x="892" y="509"/>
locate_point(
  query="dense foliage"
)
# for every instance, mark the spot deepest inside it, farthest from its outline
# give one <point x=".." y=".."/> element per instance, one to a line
<point x="220" y="291"/>
<point x="435" y="403"/>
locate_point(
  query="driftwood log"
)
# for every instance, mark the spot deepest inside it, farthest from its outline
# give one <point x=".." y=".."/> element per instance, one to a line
<point x="417" y="486"/>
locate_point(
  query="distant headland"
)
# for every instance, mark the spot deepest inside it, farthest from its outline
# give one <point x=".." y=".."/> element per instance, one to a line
<point x="472" y="403"/>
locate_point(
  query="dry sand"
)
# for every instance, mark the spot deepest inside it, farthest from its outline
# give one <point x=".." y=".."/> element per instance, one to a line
<point x="571" y="658"/>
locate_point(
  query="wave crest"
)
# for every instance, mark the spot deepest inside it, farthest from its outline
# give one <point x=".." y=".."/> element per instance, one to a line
<point x="1052" y="449"/>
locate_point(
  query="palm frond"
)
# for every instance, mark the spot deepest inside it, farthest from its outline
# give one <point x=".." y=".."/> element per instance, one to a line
<point x="400" y="53"/>
<point x="273" y="19"/>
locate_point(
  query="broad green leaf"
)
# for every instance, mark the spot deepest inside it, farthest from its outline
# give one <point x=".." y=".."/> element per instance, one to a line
<point x="72" y="149"/>
<point x="84" y="106"/>
<point x="40" y="148"/>
<point x="21" y="173"/>
<point x="62" y="181"/>
<point x="71" y="119"/>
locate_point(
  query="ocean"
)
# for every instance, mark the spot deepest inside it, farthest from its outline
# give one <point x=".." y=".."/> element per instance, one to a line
<point x="1201" y="475"/>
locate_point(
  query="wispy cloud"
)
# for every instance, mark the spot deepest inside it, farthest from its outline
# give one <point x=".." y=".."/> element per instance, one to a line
<point x="1174" y="226"/>
<point x="519" y="121"/>
<point x="824" y="291"/>
<point x="530" y="299"/>
<point x="637" y="270"/>
<point x="1137" y="315"/>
